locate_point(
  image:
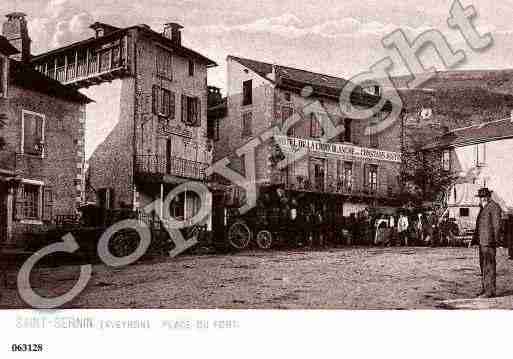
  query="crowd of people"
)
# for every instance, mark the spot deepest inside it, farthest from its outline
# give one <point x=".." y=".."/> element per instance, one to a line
<point x="402" y="228"/>
<point x="303" y="220"/>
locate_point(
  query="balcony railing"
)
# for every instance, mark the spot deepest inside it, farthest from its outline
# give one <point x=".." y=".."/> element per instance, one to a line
<point x="175" y="166"/>
<point x="83" y="65"/>
<point x="348" y="189"/>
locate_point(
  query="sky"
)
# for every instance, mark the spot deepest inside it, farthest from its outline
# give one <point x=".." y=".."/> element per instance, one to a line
<point x="340" y="38"/>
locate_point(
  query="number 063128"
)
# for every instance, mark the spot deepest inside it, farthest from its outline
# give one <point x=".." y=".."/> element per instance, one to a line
<point x="27" y="347"/>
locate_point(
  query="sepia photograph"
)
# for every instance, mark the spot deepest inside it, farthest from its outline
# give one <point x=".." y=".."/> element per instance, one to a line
<point x="241" y="158"/>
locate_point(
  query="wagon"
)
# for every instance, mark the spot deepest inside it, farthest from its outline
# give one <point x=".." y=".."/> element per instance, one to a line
<point x="280" y="217"/>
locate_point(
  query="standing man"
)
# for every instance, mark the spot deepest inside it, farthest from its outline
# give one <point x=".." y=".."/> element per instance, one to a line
<point x="487" y="236"/>
<point x="419" y="228"/>
<point x="402" y="228"/>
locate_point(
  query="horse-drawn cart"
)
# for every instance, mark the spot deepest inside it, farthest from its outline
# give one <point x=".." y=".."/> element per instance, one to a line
<point x="280" y="217"/>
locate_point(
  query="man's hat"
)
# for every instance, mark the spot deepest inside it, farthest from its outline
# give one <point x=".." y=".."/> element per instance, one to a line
<point x="484" y="192"/>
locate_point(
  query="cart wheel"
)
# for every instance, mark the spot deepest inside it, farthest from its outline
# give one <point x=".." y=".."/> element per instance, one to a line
<point x="239" y="235"/>
<point x="123" y="244"/>
<point x="264" y="239"/>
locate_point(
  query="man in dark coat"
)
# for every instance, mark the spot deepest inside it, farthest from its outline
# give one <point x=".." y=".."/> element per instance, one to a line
<point x="487" y="236"/>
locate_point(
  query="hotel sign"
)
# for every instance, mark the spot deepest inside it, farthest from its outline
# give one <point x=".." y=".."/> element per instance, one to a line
<point x="292" y="144"/>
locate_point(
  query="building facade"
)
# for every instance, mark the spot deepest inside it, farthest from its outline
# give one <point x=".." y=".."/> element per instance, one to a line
<point x="42" y="155"/>
<point x="147" y="129"/>
<point x="478" y="156"/>
<point x="362" y="168"/>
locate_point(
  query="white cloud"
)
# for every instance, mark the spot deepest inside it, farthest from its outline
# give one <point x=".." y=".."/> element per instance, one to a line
<point x="290" y="26"/>
<point x="74" y="29"/>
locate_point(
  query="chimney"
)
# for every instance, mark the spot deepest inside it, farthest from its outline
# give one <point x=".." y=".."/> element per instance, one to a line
<point x="16" y="31"/>
<point x="172" y="31"/>
<point x="102" y="29"/>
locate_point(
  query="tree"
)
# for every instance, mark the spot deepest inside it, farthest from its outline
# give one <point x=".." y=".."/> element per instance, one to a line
<point x="423" y="177"/>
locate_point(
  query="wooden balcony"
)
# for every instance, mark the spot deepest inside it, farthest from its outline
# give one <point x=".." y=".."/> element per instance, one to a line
<point x="83" y="67"/>
<point x="173" y="166"/>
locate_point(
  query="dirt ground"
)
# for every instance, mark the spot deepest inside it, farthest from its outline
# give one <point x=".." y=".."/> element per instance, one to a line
<point x="342" y="278"/>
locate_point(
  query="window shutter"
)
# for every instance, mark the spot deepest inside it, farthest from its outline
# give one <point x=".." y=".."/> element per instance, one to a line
<point x="47" y="204"/>
<point x="166" y="103"/>
<point x="39" y="128"/>
<point x="172" y="105"/>
<point x="197" y="121"/>
<point x="155" y="100"/>
<point x="184" y="108"/>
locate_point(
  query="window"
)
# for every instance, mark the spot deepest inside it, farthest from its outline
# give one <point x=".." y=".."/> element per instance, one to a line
<point x="191" y="68"/>
<point x="178" y="207"/>
<point x="247" y="92"/>
<point x="163" y="102"/>
<point x="480" y="154"/>
<point x="33" y="125"/>
<point x="286" y="114"/>
<point x="116" y="56"/>
<point x="315" y="126"/>
<point x="28" y="202"/>
<point x="247" y="119"/>
<point x="191" y="111"/>
<point x="185" y="205"/>
<point x="464" y="212"/>
<point x="345" y="175"/>
<point x="371" y="177"/>
<point x="348" y="176"/>
<point x="446" y="160"/>
<point x="373" y="137"/>
<point x="164" y="63"/>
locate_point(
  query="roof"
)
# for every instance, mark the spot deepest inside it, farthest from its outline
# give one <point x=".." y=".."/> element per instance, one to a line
<point x="313" y="78"/>
<point x="290" y="77"/>
<point x="484" y="132"/>
<point x="179" y="49"/>
<point x="25" y="76"/>
<point x="6" y="48"/>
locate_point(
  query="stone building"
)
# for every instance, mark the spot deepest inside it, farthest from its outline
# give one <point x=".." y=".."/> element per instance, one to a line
<point x="147" y="129"/>
<point x="360" y="167"/>
<point x="478" y="156"/>
<point x="42" y="128"/>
